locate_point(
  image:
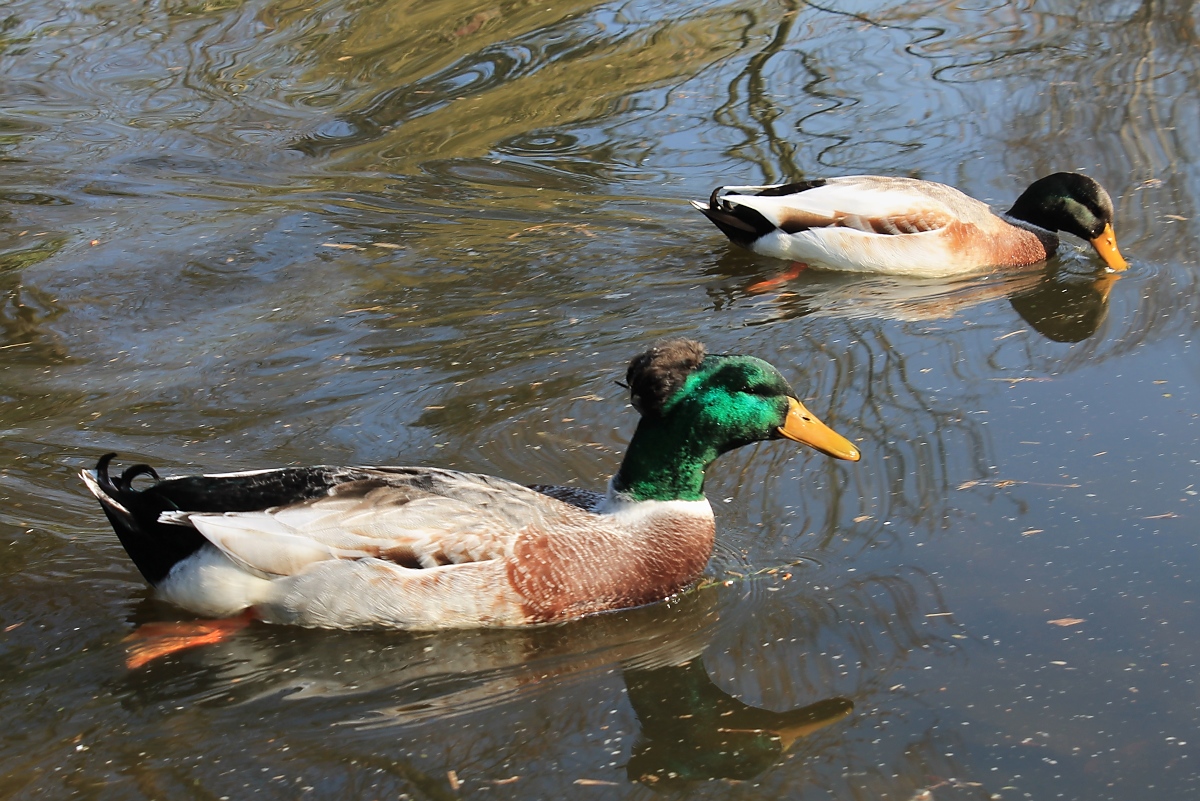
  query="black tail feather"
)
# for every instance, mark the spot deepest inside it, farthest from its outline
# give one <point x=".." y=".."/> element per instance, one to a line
<point x="714" y="201"/>
<point x="130" y="473"/>
<point x="791" y="189"/>
<point x="741" y="224"/>
<point x="153" y="546"/>
<point x="102" y="474"/>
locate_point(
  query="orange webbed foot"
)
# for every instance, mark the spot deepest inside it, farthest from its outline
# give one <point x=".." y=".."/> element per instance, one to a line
<point x="793" y="271"/>
<point x="153" y="640"/>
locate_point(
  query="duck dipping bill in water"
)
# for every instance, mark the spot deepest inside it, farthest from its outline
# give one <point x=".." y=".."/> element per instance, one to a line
<point x="424" y="548"/>
<point x="903" y="226"/>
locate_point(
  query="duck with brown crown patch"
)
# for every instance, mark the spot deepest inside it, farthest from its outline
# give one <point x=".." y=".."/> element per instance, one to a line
<point x="425" y="548"/>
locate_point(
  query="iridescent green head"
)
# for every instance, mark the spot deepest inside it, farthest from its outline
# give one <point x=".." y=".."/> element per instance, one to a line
<point x="695" y="407"/>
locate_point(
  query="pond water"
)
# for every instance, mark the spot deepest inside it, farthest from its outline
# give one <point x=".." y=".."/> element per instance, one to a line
<point x="262" y="233"/>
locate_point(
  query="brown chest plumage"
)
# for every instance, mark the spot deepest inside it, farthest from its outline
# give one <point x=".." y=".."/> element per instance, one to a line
<point x="1002" y="244"/>
<point x="565" y="573"/>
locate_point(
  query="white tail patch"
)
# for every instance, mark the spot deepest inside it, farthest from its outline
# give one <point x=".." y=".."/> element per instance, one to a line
<point x="209" y="583"/>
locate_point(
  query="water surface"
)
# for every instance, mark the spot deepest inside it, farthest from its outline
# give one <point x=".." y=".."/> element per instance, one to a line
<point x="249" y="234"/>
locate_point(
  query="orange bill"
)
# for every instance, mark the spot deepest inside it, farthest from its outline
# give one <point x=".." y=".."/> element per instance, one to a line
<point x="1106" y="246"/>
<point x="803" y="426"/>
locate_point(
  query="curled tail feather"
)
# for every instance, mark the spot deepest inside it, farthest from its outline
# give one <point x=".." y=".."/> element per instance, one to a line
<point x="153" y="546"/>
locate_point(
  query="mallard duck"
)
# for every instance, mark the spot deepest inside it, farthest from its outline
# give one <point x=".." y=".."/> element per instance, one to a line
<point x="425" y="548"/>
<point x="870" y="223"/>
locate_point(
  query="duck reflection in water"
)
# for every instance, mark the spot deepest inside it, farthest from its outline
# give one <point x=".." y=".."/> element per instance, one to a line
<point x="692" y="730"/>
<point x="687" y="728"/>
<point x="1066" y="307"/>
<point x="1058" y="302"/>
